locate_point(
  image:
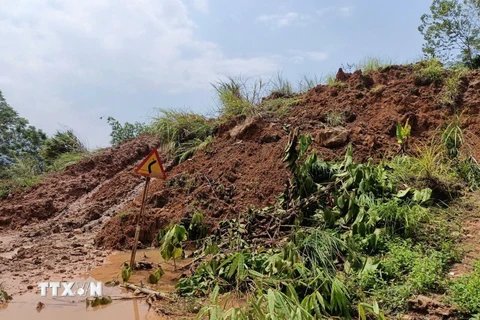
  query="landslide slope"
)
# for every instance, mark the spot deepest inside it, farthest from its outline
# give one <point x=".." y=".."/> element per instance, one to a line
<point x="242" y="167"/>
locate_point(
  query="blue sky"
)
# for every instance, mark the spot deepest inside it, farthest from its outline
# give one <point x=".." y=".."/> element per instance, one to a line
<point x="66" y="63"/>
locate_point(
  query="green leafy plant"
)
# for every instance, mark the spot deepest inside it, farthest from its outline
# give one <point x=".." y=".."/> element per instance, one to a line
<point x="465" y="291"/>
<point x="124" y="132"/>
<point x="452" y="26"/>
<point x="429" y="71"/>
<point x="452" y="91"/>
<point x="197" y="228"/>
<point x="365" y="309"/>
<point x="126" y="272"/>
<point x="171" y="247"/>
<point x="154" y="277"/>
<point x="403" y="133"/>
<point x="452" y="138"/>
<point x="62" y="142"/>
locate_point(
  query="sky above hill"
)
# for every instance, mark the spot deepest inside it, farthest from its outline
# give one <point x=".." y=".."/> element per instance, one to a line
<point x="66" y="63"/>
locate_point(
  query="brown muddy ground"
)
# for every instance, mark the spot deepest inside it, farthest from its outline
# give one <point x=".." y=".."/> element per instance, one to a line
<point x="124" y="306"/>
<point x="66" y="224"/>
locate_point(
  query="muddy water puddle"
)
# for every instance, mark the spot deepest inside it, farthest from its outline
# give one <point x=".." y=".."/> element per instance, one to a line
<point x="24" y="307"/>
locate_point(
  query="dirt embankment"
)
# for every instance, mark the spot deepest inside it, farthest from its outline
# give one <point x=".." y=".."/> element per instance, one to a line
<point x="242" y="167"/>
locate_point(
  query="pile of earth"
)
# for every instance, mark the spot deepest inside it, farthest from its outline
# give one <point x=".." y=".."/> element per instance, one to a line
<point x="242" y="168"/>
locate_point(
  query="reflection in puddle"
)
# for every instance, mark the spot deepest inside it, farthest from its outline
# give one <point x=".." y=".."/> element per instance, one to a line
<point x="23" y="307"/>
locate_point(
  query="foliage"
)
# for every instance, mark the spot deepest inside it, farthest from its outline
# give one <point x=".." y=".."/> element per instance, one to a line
<point x="332" y="81"/>
<point x="335" y="118"/>
<point x="154" y="277"/>
<point x="124" y="132"/>
<point x="171" y="246"/>
<point x="403" y="133"/>
<point x="18" y="139"/>
<point x="452" y="91"/>
<point x="452" y="26"/>
<point x="126" y="272"/>
<point x="308" y="82"/>
<point x="351" y="244"/>
<point x="372" y="63"/>
<point x="452" y="138"/>
<point x="182" y="133"/>
<point x="98" y="301"/>
<point x="62" y="142"/>
<point x="279" y="106"/>
<point x="465" y="291"/>
<point x="65" y="160"/>
<point x="24" y="172"/>
<point x="197" y="228"/>
<point x="240" y="96"/>
<point x="281" y="87"/>
<point x="429" y="71"/>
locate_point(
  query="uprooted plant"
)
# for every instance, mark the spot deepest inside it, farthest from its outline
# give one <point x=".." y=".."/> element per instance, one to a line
<point x="338" y="240"/>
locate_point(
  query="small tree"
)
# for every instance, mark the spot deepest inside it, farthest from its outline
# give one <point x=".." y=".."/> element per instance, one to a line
<point x="453" y="26"/>
<point x="124" y="132"/>
<point x="18" y="139"/>
<point x="172" y="243"/>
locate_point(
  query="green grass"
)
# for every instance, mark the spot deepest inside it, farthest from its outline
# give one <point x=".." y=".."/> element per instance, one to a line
<point x="452" y="90"/>
<point x="66" y="159"/>
<point x="371" y="63"/>
<point x="241" y="96"/>
<point x="308" y="82"/>
<point x="279" y="107"/>
<point x="332" y="81"/>
<point x="182" y="133"/>
<point x="335" y="118"/>
<point x="281" y="87"/>
<point x="465" y="291"/>
<point x="428" y="72"/>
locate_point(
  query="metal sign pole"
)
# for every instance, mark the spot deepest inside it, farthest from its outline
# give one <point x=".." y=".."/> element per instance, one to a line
<point x="138" y="222"/>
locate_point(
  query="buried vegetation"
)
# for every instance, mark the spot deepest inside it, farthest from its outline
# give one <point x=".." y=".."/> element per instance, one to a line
<point x="345" y="240"/>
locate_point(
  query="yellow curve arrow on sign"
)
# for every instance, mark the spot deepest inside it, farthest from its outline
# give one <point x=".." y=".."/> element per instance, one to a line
<point x="151" y="166"/>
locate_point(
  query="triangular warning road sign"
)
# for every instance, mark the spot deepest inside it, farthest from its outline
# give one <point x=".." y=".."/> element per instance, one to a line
<point x="151" y="166"/>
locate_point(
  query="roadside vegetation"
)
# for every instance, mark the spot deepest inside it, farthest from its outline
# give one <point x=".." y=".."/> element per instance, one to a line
<point x="345" y="240"/>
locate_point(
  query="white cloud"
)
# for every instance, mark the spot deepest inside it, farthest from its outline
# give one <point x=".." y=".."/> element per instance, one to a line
<point x="344" y="11"/>
<point x="201" y="5"/>
<point x="299" y="56"/>
<point x="55" y="55"/>
<point x="276" y="21"/>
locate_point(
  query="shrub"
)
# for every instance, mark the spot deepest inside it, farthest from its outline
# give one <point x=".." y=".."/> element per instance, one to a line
<point x="465" y="291"/>
<point x="65" y="160"/>
<point x="240" y="96"/>
<point x="429" y="71"/>
<point x="452" y="91"/>
<point x="62" y="142"/>
<point x="182" y="133"/>
<point x="124" y="132"/>
<point x="335" y="118"/>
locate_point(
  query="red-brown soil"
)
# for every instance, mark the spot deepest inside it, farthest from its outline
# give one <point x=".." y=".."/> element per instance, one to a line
<point x="90" y="205"/>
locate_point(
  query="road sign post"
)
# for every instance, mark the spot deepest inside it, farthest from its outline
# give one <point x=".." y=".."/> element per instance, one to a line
<point x="150" y="167"/>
